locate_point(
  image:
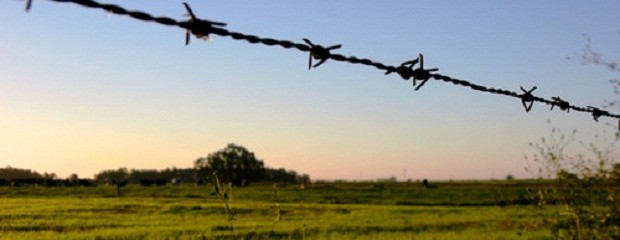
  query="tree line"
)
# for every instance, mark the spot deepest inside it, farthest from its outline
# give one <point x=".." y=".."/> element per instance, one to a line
<point x="24" y="177"/>
<point x="233" y="164"/>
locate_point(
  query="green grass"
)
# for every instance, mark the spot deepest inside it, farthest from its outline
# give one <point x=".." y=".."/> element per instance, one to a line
<point x="324" y="211"/>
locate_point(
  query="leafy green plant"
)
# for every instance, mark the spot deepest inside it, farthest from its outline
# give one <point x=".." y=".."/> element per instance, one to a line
<point x="583" y="185"/>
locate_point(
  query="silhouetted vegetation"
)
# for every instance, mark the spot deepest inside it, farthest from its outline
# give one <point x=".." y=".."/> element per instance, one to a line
<point x="236" y="164"/>
<point x="10" y="173"/>
<point x="18" y="177"/>
<point x="147" y="177"/>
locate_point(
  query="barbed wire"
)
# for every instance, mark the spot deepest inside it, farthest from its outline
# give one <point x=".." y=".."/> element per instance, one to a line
<point x="201" y="28"/>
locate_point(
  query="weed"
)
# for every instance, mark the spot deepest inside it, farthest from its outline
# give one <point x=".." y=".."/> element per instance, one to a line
<point x="582" y="184"/>
<point x="277" y="206"/>
<point x="225" y="194"/>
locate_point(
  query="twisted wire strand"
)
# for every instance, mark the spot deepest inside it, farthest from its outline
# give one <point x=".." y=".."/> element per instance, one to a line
<point x="253" y="39"/>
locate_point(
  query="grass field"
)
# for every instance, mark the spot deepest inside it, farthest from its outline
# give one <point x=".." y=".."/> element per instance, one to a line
<point x="454" y="210"/>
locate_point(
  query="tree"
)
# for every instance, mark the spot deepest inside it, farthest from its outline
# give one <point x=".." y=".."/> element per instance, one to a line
<point x="74" y="179"/>
<point x="234" y="162"/>
<point x="425" y="183"/>
<point x="112" y="176"/>
<point x="17" y="173"/>
<point x="49" y="175"/>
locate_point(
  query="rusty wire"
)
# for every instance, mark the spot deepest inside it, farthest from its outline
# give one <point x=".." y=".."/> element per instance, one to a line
<point x="202" y="28"/>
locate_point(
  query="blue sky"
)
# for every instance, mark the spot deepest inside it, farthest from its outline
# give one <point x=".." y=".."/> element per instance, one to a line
<point x="82" y="90"/>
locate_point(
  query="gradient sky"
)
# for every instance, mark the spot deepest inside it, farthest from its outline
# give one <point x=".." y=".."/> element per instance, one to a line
<point x="82" y="90"/>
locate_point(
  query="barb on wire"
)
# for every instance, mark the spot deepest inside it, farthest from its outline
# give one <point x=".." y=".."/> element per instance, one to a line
<point x="422" y="74"/>
<point x="406" y="71"/>
<point x="200" y="28"/>
<point x="563" y="105"/>
<point x="596" y="113"/>
<point x="527" y="98"/>
<point x="319" y="52"/>
<point x="203" y="28"/>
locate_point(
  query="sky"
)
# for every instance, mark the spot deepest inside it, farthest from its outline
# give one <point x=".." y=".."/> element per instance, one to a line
<point x="82" y="90"/>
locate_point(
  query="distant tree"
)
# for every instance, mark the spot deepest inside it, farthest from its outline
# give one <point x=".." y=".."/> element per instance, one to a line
<point x="280" y="175"/>
<point x="49" y="175"/>
<point x="112" y="176"/>
<point x="73" y="179"/>
<point x="231" y="163"/>
<point x="185" y="175"/>
<point x="135" y="175"/>
<point x="304" y="179"/>
<point x="17" y="173"/>
<point x="510" y="177"/>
